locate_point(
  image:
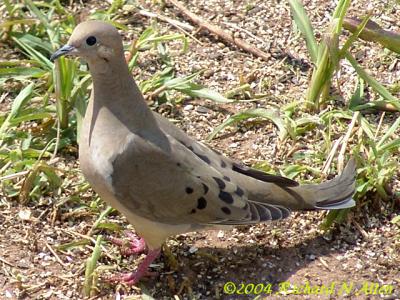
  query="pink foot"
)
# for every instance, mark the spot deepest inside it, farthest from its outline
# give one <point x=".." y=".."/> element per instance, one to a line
<point x="142" y="271"/>
<point x="136" y="244"/>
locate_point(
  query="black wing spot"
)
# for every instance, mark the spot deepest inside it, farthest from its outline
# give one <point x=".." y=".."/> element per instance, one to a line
<point x="220" y="182"/>
<point x="223" y="164"/>
<point x="205" y="188"/>
<point x="226" y="197"/>
<point x="226" y="178"/>
<point x="246" y="206"/>
<point x="203" y="158"/>
<point x="226" y="210"/>
<point x="239" y="191"/>
<point x="201" y="203"/>
<point x="189" y="190"/>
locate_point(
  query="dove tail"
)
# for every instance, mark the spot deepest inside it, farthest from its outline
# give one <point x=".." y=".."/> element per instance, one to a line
<point x="333" y="194"/>
<point x="277" y="200"/>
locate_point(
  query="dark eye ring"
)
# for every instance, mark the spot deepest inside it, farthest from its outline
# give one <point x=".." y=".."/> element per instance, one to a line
<point x="91" y="40"/>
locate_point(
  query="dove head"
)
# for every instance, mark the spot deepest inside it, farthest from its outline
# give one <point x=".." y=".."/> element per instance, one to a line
<point x="93" y="41"/>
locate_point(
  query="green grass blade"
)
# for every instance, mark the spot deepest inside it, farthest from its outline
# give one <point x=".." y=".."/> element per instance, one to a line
<point x="74" y="244"/>
<point x="64" y="73"/>
<point x="320" y="76"/>
<point x="253" y="113"/>
<point x="396" y="220"/>
<point x="35" y="42"/>
<point x="91" y="266"/>
<point x="199" y="91"/>
<point x="339" y="14"/>
<point x="44" y="20"/>
<point x="354" y="36"/>
<point x="21" y="72"/>
<point x="179" y="82"/>
<point x="34" y="54"/>
<point x="366" y="127"/>
<point x="36" y="11"/>
<point x="330" y="219"/>
<point x="389" y="133"/>
<point x="184" y="85"/>
<point x="19" y="102"/>
<point x="10" y="23"/>
<point x="390" y="146"/>
<point x="16" y="107"/>
<point x="358" y="95"/>
<point x="30" y="117"/>
<point x="380" y="89"/>
<point x="103" y="215"/>
<point x="304" y="25"/>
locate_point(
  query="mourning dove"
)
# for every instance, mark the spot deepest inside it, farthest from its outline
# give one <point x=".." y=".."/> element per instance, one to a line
<point x="163" y="181"/>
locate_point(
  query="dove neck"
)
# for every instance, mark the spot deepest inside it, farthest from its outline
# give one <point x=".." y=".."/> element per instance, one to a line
<point x="115" y="90"/>
<point x="114" y="87"/>
<point x="112" y="78"/>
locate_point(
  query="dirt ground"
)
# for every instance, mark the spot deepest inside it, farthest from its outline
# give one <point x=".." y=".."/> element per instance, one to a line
<point x="292" y="258"/>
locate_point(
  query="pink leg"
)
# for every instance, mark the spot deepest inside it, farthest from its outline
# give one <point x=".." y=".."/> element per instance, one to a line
<point x="134" y="277"/>
<point x="137" y="245"/>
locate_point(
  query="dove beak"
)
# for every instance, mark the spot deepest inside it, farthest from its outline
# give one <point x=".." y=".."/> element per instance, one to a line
<point x="64" y="50"/>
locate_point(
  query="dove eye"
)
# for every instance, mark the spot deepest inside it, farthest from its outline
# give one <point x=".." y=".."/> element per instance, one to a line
<point x="91" y="40"/>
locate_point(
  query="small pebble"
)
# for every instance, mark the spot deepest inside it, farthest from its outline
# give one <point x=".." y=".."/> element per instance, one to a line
<point x="202" y="110"/>
<point x="188" y="107"/>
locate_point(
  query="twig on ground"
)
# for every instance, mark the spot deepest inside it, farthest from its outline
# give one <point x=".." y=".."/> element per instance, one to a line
<point x="175" y="23"/>
<point x="361" y="230"/>
<point x="15" y="175"/>
<point x="7" y="263"/>
<point x="225" y="36"/>
<point x="331" y="155"/>
<point x="345" y="141"/>
<point x="246" y="31"/>
<point x="55" y="254"/>
<point x="36" y="287"/>
<point x="372" y="32"/>
<point x="155" y="93"/>
<point x="294" y="150"/>
<point x="380" y="124"/>
<point x="5" y="167"/>
<point x="323" y="262"/>
<point x="74" y="233"/>
<point x="185" y="28"/>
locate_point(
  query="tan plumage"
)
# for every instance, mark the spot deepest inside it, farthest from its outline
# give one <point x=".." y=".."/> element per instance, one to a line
<point x="163" y="181"/>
